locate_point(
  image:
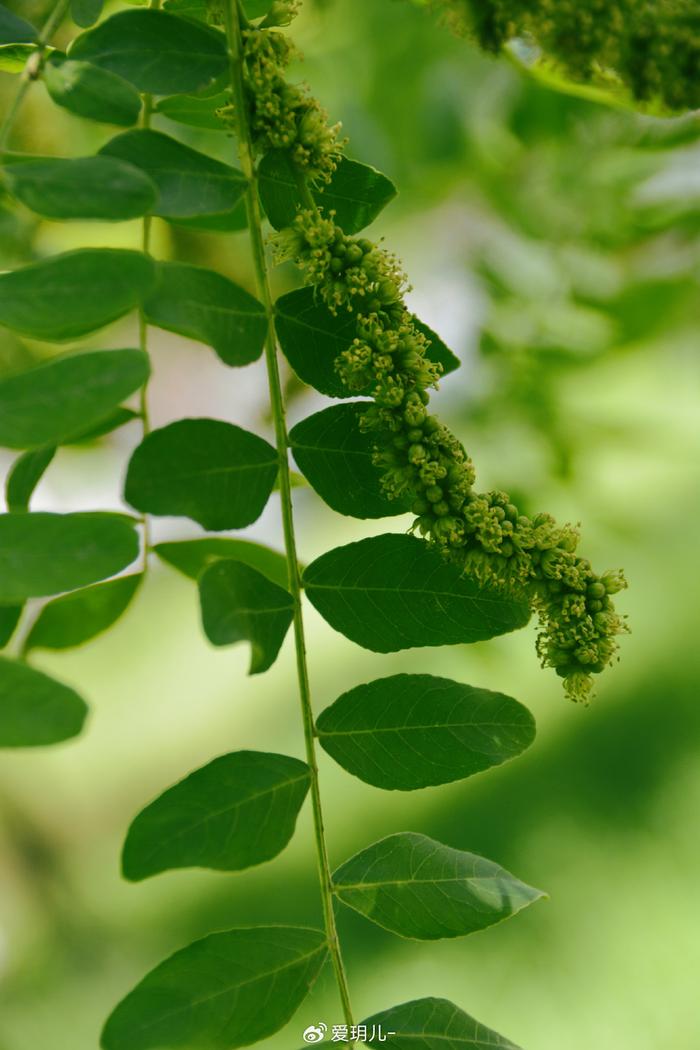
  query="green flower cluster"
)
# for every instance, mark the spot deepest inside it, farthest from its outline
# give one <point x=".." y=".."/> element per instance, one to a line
<point x="653" y="46"/>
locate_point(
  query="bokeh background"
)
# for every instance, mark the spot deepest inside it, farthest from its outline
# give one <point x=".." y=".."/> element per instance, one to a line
<point x="553" y="243"/>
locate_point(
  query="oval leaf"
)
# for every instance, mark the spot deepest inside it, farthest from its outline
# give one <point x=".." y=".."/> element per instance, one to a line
<point x="26" y="473"/>
<point x="227" y="990"/>
<point x="72" y="294"/>
<point x="417" y="887"/>
<point x="77" y="617"/>
<point x="62" y="398"/>
<point x="14" y="30"/>
<point x="356" y="192"/>
<point x="82" y="188"/>
<point x="86" y="12"/>
<point x="91" y="92"/>
<point x="43" y="554"/>
<point x="34" y="709"/>
<point x="432" y="1024"/>
<point x="394" y="592"/>
<point x="192" y="557"/>
<point x="312" y="339"/>
<point x="155" y="51"/>
<point x="13" y="57"/>
<point x="240" y="604"/>
<point x="335" y="456"/>
<point x="195" y="111"/>
<point x="203" y="305"/>
<point x="190" y="184"/>
<point x="237" y="811"/>
<point x="415" y="730"/>
<point x="215" y="473"/>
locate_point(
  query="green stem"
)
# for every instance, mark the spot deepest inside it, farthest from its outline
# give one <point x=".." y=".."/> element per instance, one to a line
<point x="32" y="70"/>
<point x="234" y="21"/>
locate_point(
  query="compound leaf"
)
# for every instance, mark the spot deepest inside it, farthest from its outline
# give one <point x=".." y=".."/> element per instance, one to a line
<point x="335" y="456"/>
<point x="206" y="306"/>
<point x="42" y="554"/>
<point x="417" y="887"/>
<point x="413" y="731"/>
<point x="237" y="811"/>
<point x="155" y="51"/>
<point x="91" y="92"/>
<point x="72" y="294"/>
<point x="213" y="472"/>
<point x="192" y="557"/>
<point x="26" y="473"/>
<point x="81" y="188"/>
<point x="394" y="592"/>
<point x="225" y="991"/>
<point x="66" y="396"/>
<point x="240" y="604"/>
<point x="35" y="709"/>
<point x="432" y="1024"/>
<point x="77" y="617"/>
<point x="356" y="192"/>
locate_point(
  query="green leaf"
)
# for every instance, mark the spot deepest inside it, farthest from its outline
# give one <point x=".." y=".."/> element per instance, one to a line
<point x="14" y="30"/>
<point x="227" y="990"/>
<point x="192" y="557"/>
<point x="413" y="731"/>
<point x="237" y="811"/>
<point x="195" y="111"/>
<point x="13" y="57"/>
<point x="72" y="294"/>
<point x="82" y="188"/>
<point x="35" y="709"/>
<point x="155" y="51"/>
<point x="43" y="554"/>
<point x="75" y="618"/>
<point x="91" y="92"/>
<point x="215" y="473"/>
<point x="199" y="9"/>
<point x="192" y="187"/>
<point x="312" y="339"/>
<point x="26" y="473"/>
<point x="65" y="396"/>
<point x="116" y="419"/>
<point x="356" y="192"/>
<point x="432" y="1024"/>
<point x="417" y="887"/>
<point x="9" y="618"/>
<point x="335" y="457"/>
<point x="204" y="305"/>
<point x="86" y="12"/>
<point x="395" y="592"/>
<point x="240" y="604"/>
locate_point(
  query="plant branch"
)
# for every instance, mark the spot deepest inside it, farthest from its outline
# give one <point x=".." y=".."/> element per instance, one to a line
<point x="234" y="21"/>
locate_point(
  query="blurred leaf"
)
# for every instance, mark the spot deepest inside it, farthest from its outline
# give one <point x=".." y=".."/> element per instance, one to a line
<point x="156" y="51"/>
<point x="91" y="92"/>
<point x="240" y="604"/>
<point x="24" y="476"/>
<point x="206" y="306"/>
<point x="14" y="30"/>
<point x="72" y="294"/>
<point x="394" y="592"/>
<point x="335" y="456"/>
<point x="200" y="10"/>
<point x="86" y="12"/>
<point x="75" y="618"/>
<point x="415" y="731"/>
<point x="43" y="554"/>
<point x="35" y="709"/>
<point x="237" y="811"/>
<point x="195" y="111"/>
<point x="66" y="396"/>
<point x="191" y="557"/>
<point x="9" y="618"/>
<point x="190" y="184"/>
<point x="212" y="472"/>
<point x="225" y="991"/>
<point x="81" y="188"/>
<point x="417" y="887"/>
<point x="356" y="192"/>
<point x="426" y="1024"/>
<point x="13" y="57"/>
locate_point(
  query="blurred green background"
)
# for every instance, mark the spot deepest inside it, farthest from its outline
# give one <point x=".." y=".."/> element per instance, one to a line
<point x="553" y="243"/>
